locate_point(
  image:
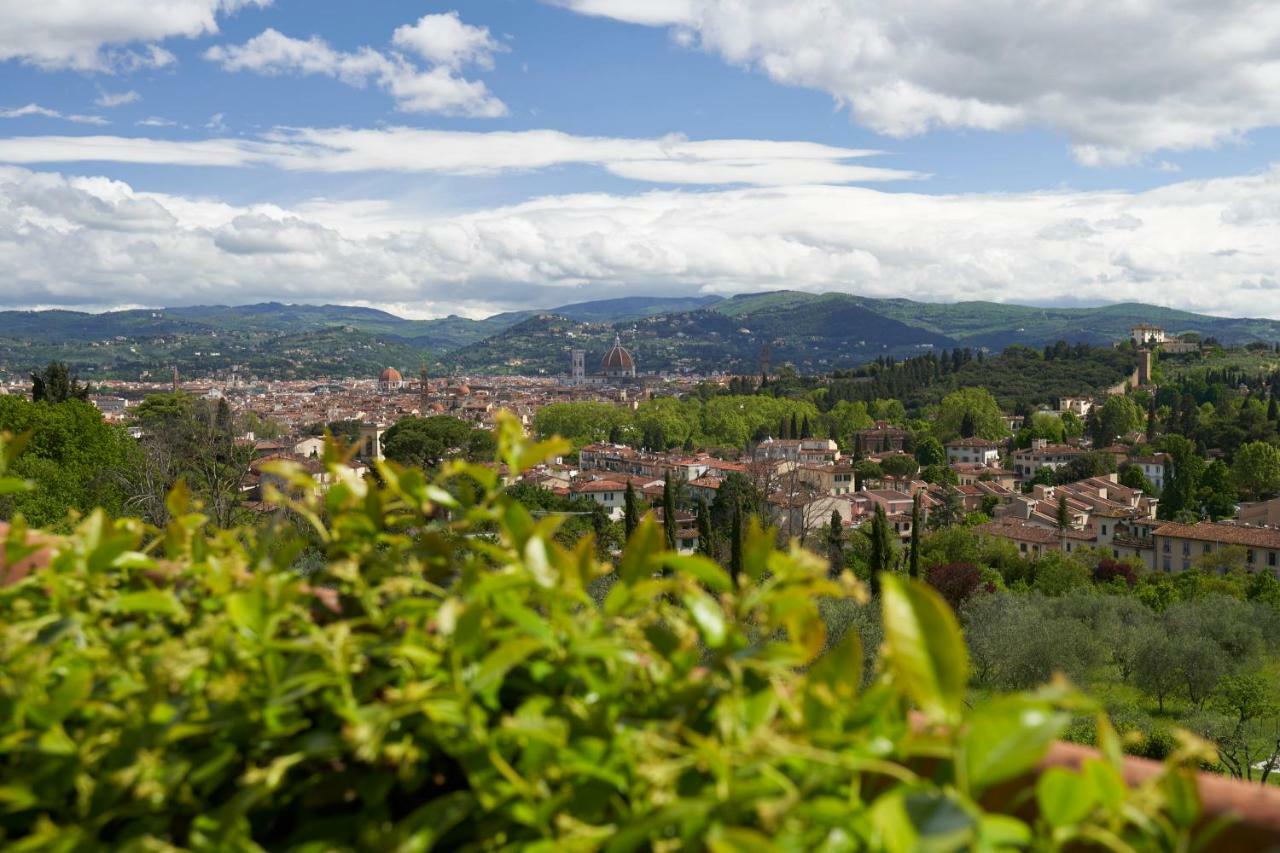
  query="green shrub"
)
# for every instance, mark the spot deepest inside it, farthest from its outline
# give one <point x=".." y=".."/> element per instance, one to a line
<point x="431" y="688"/>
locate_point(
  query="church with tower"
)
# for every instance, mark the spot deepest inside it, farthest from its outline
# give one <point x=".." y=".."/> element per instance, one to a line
<point x="618" y="367"/>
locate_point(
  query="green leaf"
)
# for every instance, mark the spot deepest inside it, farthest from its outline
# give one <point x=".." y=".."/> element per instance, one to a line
<point x="1108" y="782"/>
<point x="159" y="602"/>
<point x="707" y="571"/>
<point x="639" y="558"/>
<point x="836" y="676"/>
<point x="1006" y="738"/>
<point x="1065" y="798"/>
<point x="924" y="649"/>
<point x="1001" y="832"/>
<point x="75" y="687"/>
<point x="12" y="486"/>
<point x="892" y="824"/>
<point x="247" y="610"/>
<point x="501" y="660"/>
<point x="1182" y="796"/>
<point x="708" y="616"/>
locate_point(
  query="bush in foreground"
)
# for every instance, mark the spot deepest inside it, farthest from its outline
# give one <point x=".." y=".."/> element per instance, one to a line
<point x="446" y="681"/>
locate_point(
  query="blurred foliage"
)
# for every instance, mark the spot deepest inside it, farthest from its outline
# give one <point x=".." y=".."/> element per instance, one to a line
<point x="445" y="679"/>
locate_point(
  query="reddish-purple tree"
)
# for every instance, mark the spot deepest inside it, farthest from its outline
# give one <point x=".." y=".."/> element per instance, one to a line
<point x="955" y="581"/>
<point x="1108" y="570"/>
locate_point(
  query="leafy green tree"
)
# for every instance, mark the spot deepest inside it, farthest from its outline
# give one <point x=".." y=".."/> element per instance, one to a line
<point x="185" y="440"/>
<point x="1118" y="416"/>
<point x="427" y="442"/>
<point x="1155" y="668"/>
<point x="736" y="492"/>
<point x="929" y="451"/>
<point x="580" y="422"/>
<point x="55" y="384"/>
<point x="1095" y="464"/>
<point x="1132" y="477"/>
<point x="1185" y="469"/>
<point x="1217" y="493"/>
<point x="899" y="466"/>
<point x="1257" y="470"/>
<point x="75" y="460"/>
<point x="1057" y="574"/>
<point x="974" y="407"/>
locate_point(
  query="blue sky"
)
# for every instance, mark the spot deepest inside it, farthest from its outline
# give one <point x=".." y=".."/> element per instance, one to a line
<point x="435" y="157"/>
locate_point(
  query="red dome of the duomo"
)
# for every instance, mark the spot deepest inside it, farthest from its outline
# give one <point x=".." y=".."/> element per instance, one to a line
<point x="618" y="361"/>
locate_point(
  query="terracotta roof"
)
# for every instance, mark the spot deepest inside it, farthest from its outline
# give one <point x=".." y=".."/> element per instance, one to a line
<point x="1230" y="534"/>
<point x="599" y="486"/>
<point x="975" y="441"/>
<point x="1021" y="531"/>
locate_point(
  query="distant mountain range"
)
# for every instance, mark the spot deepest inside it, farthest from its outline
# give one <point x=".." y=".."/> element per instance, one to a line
<point x="814" y="332"/>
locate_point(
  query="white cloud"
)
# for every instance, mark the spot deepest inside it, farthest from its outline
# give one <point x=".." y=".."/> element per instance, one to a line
<point x="108" y="99"/>
<point x="1119" y="79"/>
<point x="46" y="112"/>
<point x="435" y="90"/>
<point x="1206" y="245"/>
<point x="156" y="121"/>
<point x="89" y="35"/>
<point x="446" y="40"/>
<point x="670" y="159"/>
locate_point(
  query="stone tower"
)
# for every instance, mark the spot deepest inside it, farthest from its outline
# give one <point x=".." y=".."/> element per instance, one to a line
<point x="578" y="367"/>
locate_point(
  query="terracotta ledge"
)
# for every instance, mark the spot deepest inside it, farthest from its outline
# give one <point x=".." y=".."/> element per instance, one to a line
<point x="16" y="571"/>
<point x="1254" y="807"/>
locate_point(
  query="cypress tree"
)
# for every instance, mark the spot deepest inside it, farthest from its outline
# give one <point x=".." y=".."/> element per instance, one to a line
<point x="881" y="548"/>
<point x="629" y="517"/>
<point x="735" y="545"/>
<point x="795" y="426"/>
<point x="835" y="542"/>
<point x="1151" y="420"/>
<point x="669" y="513"/>
<point x="1064" y="514"/>
<point x="914" y="569"/>
<point x="706" y="540"/>
<point x="1272" y="411"/>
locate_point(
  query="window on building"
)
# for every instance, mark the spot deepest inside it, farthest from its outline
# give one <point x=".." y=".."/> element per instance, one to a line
<point x="1167" y="566"/>
<point x="1186" y="549"/>
<point x="1166" y="547"/>
<point x="1207" y="547"/>
<point x="1271" y="558"/>
<point x="1249" y="556"/>
<point x="1104" y="530"/>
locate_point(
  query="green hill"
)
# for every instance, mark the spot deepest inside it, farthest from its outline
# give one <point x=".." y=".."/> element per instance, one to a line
<point x="814" y="332"/>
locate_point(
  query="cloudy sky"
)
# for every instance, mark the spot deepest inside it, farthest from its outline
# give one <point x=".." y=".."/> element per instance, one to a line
<point x="436" y="158"/>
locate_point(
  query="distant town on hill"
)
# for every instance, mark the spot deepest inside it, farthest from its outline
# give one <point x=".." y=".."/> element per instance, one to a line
<point x="813" y="333"/>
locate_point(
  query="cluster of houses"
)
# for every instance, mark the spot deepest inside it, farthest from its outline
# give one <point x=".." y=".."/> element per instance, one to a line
<point x="805" y="481"/>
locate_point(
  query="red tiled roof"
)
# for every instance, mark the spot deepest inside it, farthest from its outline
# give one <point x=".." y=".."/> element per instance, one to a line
<point x="1230" y="534"/>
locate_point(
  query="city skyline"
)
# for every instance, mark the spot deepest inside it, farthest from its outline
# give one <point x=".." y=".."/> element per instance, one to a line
<point x="433" y="159"/>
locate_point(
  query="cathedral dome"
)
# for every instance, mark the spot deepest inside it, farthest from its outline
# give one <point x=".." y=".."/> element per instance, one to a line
<point x="618" y="360"/>
<point x="389" y="376"/>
